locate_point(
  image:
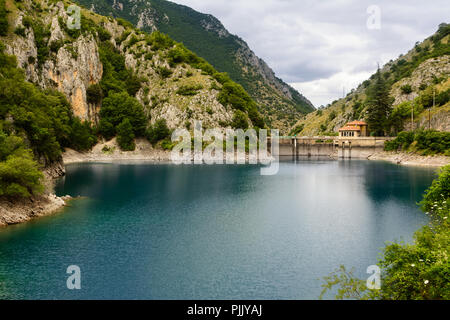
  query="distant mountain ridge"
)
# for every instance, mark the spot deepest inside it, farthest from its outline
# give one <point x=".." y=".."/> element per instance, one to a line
<point x="205" y="35"/>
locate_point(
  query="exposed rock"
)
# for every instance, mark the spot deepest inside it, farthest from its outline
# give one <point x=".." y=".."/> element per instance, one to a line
<point x="21" y="211"/>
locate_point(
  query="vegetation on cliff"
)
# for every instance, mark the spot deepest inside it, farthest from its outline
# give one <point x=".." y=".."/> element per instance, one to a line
<point x="417" y="271"/>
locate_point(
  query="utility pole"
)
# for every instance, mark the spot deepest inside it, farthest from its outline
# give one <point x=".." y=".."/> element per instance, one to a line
<point x="412" y="116"/>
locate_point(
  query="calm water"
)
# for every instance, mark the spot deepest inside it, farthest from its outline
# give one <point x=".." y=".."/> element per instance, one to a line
<point x="147" y="231"/>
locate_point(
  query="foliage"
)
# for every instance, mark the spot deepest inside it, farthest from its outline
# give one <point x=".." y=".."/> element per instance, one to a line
<point x="425" y="141"/>
<point x="94" y="94"/>
<point x="41" y="37"/>
<point x="19" y="173"/>
<point x="418" y="271"/>
<point x="406" y="89"/>
<point x="82" y="136"/>
<point x="164" y="72"/>
<point x="239" y="120"/>
<point x="379" y="106"/>
<point x="189" y="90"/>
<point x="116" y="108"/>
<point x="125" y="135"/>
<point x="3" y="19"/>
<point x="158" y="131"/>
<point x="116" y="77"/>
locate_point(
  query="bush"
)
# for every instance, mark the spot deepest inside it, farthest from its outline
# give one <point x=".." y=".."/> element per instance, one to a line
<point x="189" y="90"/>
<point x="20" y="31"/>
<point x="406" y="89"/>
<point x="125" y="136"/>
<point x="94" y="94"/>
<point x="158" y="131"/>
<point x="239" y="120"/>
<point x="426" y="141"/>
<point x="297" y="130"/>
<point x="402" y="141"/>
<point x="430" y="141"/>
<point x="164" y="72"/>
<point x="103" y="34"/>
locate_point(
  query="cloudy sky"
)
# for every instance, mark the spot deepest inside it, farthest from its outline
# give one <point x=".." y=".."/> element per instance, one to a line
<point x="324" y="47"/>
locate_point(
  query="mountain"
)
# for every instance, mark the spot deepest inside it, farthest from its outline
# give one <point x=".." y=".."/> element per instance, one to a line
<point x="206" y="36"/>
<point x="412" y="79"/>
<point x="63" y="87"/>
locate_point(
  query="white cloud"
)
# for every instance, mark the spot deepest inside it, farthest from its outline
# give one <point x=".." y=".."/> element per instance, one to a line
<point x="318" y="45"/>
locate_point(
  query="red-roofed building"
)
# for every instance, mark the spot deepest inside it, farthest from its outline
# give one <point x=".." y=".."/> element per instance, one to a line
<point x="354" y="129"/>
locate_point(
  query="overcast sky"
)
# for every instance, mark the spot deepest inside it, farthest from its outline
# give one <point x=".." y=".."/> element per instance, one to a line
<point x="322" y="47"/>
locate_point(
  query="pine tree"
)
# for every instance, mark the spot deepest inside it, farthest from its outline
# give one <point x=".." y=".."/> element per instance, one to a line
<point x="379" y="106"/>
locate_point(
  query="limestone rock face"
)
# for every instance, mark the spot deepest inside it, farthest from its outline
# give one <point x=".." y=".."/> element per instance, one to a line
<point x="424" y="74"/>
<point x="71" y="70"/>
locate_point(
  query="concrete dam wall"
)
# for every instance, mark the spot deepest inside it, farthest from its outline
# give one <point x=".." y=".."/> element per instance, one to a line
<point x="332" y="147"/>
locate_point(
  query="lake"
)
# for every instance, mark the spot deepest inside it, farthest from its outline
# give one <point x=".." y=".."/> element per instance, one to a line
<point x="161" y="231"/>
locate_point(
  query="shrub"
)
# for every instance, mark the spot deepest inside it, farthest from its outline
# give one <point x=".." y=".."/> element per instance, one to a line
<point x="406" y="89"/>
<point x="297" y="130"/>
<point x="164" y="72"/>
<point x="189" y="90"/>
<point x="125" y="136"/>
<point x="402" y="141"/>
<point x="103" y="34"/>
<point x="94" y="94"/>
<point x="426" y="141"/>
<point x="20" y="31"/>
<point x="158" y="131"/>
<point x="239" y="120"/>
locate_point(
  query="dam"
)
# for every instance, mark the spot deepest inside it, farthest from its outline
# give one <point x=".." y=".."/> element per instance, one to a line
<point x="331" y="146"/>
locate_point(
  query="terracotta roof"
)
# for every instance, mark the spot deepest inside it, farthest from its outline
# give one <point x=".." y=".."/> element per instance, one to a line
<point x="350" y="128"/>
<point x="357" y="123"/>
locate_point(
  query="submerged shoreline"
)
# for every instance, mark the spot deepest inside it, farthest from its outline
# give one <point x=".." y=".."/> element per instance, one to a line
<point x="47" y="204"/>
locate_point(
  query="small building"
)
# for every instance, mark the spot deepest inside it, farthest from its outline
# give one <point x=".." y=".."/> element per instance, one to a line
<point x="354" y="129"/>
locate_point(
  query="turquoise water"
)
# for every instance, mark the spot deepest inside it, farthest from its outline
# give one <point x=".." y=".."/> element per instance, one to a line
<point x="161" y="231"/>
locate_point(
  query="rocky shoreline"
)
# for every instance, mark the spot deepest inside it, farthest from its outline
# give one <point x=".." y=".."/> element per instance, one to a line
<point x="411" y="159"/>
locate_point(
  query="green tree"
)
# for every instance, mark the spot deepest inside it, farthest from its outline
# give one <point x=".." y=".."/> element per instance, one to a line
<point x="120" y="106"/>
<point x="19" y="173"/>
<point x="379" y="106"/>
<point x="125" y="136"/>
<point x="159" y="131"/>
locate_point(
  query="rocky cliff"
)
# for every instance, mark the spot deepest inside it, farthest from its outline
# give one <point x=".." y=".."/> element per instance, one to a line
<point x="205" y="35"/>
<point x="55" y="57"/>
